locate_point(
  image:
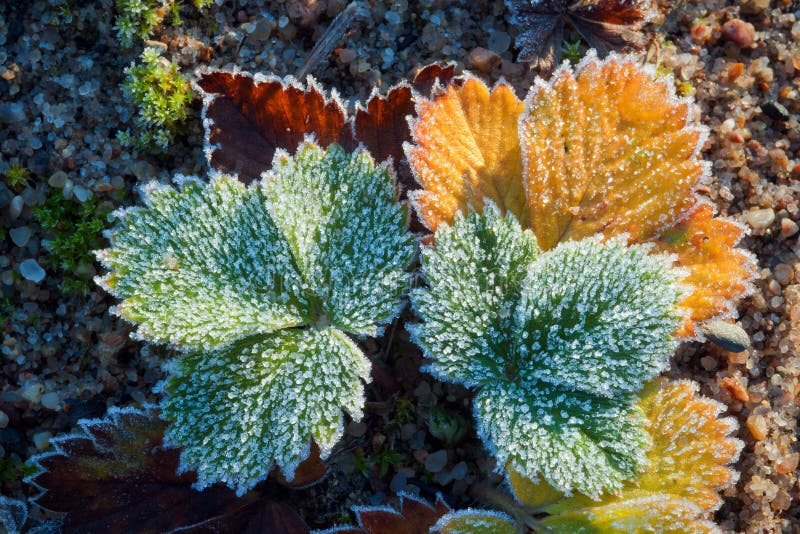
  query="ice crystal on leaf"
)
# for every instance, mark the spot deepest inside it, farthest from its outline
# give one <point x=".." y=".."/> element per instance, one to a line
<point x="606" y="148"/>
<point x="556" y="343"/>
<point x="688" y="463"/>
<point x="415" y="516"/>
<point x="258" y="286"/>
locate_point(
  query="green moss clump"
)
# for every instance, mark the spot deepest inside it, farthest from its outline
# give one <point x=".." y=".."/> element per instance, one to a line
<point x="138" y="19"/>
<point x="16" y="176"/>
<point x="74" y="230"/>
<point x="162" y="96"/>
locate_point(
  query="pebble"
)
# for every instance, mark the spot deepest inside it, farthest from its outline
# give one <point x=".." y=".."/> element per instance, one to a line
<point x="398" y="483"/>
<point x="783" y="274"/>
<point x="304" y="12"/>
<point x="739" y="32"/>
<point x="499" y="42"/>
<point x="58" y="179"/>
<point x="757" y="426"/>
<point x="460" y="471"/>
<point x="483" y="59"/>
<point x="261" y="29"/>
<point x="15" y="207"/>
<point x="12" y="112"/>
<point x="50" y="401"/>
<point x="788" y="228"/>
<point x="754" y="7"/>
<point x="760" y="219"/>
<point x="21" y="235"/>
<point x="3" y="419"/>
<point x="729" y="336"/>
<point x="436" y="461"/>
<point x="31" y="270"/>
<point x="776" y="111"/>
<point x="41" y="440"/>
<point x="32" y="392"/>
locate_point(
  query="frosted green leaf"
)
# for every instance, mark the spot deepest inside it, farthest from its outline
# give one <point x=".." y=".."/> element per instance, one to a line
<point x="259" y="286"/>
<point x="471" y="521"/>
<point x="474" y="273"/>
<point x="556" y="343"/>
<point x="240" y="410"/>
<point x="346" y="231"/>
<point x="203" y="266"/>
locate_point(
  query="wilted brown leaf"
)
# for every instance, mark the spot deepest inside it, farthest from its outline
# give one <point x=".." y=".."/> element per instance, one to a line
<point x="416" y="516"/>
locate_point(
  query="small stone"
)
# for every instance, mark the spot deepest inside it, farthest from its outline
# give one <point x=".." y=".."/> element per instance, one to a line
<point x="709" y="363"/>
<point x="304" y="12"/>
<point x="788" y="463"/>
<point x="50" y="401"/>
<point x="783" y="273"/>
<point x="754" y="7"/>
<point x="3" y="419"/>
<point x="20" y="236"/>
<point x="736" y="388"/>
<point x="15" y="207"/>
<point x="436" y="461"/>
<point x="398" y="483"/>
<point x="483" y="59"/>
<point x="499" y="42"/>
<point x="58" y="179"/>
<point x="760" y="219"/>
<point x="757" y="426"/>
<point x="460" y="471"/>
<point x="41" y="440"/>
<point x="739" y="32"/>
<point x="788" y="228"/>
<point x="12" y="112"/>
<point x="729" y="336"/>
<point x="776" y="111"/>
<point x="31" y="270"/>
<point x="158" y="45"/>
<point x="261" y="29"/>
<point x="32" y="392"/>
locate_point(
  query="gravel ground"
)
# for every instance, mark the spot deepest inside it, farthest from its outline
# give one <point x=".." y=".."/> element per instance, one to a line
<point x="64" y="358"/>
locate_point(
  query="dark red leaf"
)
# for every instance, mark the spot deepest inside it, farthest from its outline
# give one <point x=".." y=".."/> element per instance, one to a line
<point x="249" y="118"/>
<point x="310" y="471"/>
<point x="416" y="516"/>
<point x="115" y="476"/>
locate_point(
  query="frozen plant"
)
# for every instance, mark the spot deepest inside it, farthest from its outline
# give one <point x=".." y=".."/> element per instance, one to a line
<point x="259" y="288"/>
<point x="556" y="344"/>
<point x="162" y="97"/>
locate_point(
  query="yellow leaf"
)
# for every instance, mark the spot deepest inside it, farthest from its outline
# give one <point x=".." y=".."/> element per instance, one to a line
<point x="606" y="149"/>
<point x="471" y="521"/>
<point x="467" y="150"/>
<point x="688" y="463"/>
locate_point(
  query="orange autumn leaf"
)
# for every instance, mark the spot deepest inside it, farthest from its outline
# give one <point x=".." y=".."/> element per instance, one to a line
<point x="717" y="271"/>
<point x="607" y="148"/>
<point x="688" y="463"/>
<point x="607" y="151"/>
<point x="467" y="150"/>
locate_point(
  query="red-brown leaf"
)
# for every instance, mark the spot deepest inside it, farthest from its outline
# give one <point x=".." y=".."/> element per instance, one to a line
<point x="249" y="118"/>
<point x="416" y="516"/>
<point x="115" y="476"/>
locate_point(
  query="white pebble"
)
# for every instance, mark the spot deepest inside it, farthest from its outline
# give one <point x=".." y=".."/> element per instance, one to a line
<point x="760" y="219"/>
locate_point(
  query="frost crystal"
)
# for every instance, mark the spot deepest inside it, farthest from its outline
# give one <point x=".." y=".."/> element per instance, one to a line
<point x="557" y="343"/>
<point x="258" y="285"/>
